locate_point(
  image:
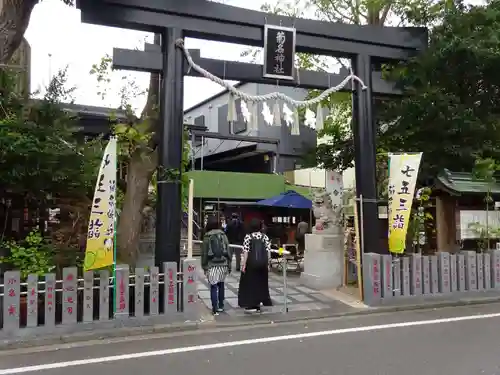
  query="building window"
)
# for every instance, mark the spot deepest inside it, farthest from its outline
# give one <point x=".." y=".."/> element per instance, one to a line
<point x="198" y="121"/>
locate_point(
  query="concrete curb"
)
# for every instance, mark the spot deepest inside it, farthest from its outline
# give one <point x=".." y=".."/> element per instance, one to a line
<point x="96" y="335"/>
<point x="266" y="319"/>
<point x="324" y="314"/>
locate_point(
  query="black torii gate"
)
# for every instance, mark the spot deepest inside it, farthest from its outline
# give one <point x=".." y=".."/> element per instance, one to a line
<point x="366" y="46"/>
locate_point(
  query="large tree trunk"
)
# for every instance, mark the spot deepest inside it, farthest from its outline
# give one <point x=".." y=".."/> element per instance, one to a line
<point x="140" y="170"/>
<point x="14" y="19"/>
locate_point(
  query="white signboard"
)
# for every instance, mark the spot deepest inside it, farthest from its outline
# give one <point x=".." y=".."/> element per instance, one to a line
<point x="334" y="186"/>
<point x="472" y="220"/>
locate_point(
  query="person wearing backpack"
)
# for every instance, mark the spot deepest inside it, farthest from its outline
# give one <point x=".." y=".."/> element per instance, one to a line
<point x="216" y="262"/>
<point x="254" y="282"/>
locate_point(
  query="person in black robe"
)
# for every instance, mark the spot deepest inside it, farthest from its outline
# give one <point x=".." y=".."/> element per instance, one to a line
<point x="254" y="282"/>
<point x="235" y="232"/>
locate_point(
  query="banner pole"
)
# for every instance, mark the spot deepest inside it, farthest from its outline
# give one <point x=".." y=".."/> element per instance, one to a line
<point x="361" y="224"/>
<point x="190" y="218"/>
<point x="359" y="253"/>
<point x="114" y="231"/>
<point x="389" y="200"/>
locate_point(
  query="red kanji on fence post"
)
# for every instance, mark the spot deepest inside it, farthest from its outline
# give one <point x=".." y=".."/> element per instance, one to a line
<point x="12" y="310"/>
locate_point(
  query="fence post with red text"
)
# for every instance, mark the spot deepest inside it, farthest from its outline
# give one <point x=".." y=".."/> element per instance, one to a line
<point x="170" y="271"/>
<point x="190" y="293"/>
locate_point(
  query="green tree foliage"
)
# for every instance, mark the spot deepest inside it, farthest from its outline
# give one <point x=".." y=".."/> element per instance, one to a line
<point x="46" y="164"/>
<point x="39" y="151"/>
<point x="451" y="109"/>
<point x="33" y="255"/>
<point x="336" y="151"/>
<point x="364" y="12"/>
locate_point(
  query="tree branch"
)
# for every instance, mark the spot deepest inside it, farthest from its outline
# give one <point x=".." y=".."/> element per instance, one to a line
<point x="14" y="19"/>
<point x="385" y="12"/>
<point x="342" y="15"/>
<point x="151" y="107"/>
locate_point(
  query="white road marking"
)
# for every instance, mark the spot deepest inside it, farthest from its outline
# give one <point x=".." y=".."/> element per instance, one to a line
<point x="115" y="358"/>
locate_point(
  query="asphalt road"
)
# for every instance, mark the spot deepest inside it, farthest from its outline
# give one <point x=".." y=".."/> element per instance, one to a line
<point x="451" y="341"/>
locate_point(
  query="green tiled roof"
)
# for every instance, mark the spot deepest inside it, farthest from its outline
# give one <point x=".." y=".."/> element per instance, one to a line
<point x="464" y="183"/>
<point x="243" y="186"/>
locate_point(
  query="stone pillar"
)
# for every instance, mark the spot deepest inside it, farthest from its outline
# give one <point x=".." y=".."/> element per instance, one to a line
<point x="434" y="274"/>
<point x="323" y="261"/>
<point x="470" y="270"/>
<point x="416" y="274"/>
<point x="426" y="275"/>
<point x="480" y="271"/>
<point x="487" y="270"/>
<point x="453" y="273"/>
<point x="122" y="291"/>
<point x="387" y="278"/>
<point x="372" y="278"/>
<point x="461" y="272"/>
<point x="495" y="269"/>
<point x="396" y="272"/>
<point x="405" y="276"/>
<point x="444" y="272"/>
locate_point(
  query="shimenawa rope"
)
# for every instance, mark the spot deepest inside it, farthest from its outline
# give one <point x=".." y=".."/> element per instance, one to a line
<point x="271" y="96"/>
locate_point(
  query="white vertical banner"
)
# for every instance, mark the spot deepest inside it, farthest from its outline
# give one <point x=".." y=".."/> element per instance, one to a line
<point x="393" y="166"/>
<point x="99" y="252"/>
<point x="403" y="172"/>
<point x="335" y="187"/>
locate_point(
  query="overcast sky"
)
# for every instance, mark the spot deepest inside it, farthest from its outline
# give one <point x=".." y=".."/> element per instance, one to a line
<point x="58" y="38"/>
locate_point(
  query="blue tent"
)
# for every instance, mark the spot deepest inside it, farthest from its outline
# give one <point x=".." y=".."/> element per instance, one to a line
<point x="290" y="199"/>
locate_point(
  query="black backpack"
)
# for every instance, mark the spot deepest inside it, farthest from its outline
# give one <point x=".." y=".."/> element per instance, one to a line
<point x="257" y="255"/>
<point x="217" y="248"/>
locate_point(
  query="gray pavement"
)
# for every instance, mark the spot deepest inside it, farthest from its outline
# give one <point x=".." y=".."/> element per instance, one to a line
<point x="299" y="297"/>
<point x="448" y="341"/>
